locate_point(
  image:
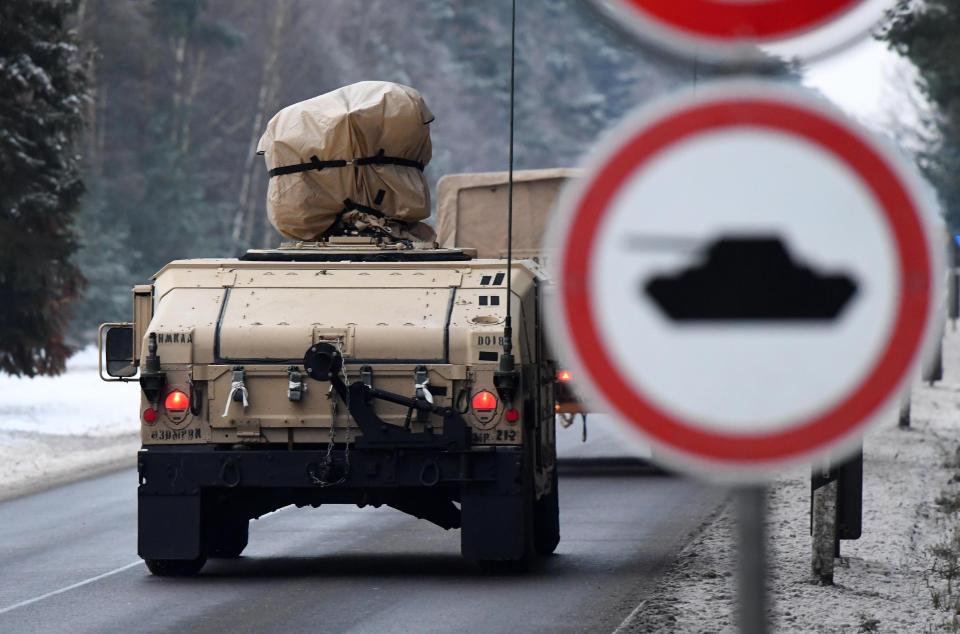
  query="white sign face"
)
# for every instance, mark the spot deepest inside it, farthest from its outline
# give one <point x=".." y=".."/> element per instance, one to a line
<point x="747" y="30"/>
<point x="744" y="278"/>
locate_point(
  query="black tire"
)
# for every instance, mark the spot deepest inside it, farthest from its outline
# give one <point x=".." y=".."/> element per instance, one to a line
<point x="546" y="519"/>
<point x="175" y="567"/>
<point x="228" y="537"/>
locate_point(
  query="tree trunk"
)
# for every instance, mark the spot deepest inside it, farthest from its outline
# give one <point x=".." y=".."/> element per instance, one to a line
<point x="245" y="216"/>
<point x="179" y="58"/>
<point x="188" y="98"/>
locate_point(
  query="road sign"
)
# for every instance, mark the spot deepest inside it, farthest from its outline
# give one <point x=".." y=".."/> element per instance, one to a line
<point x="745" y="278"/>
<point x="745" y="30"/>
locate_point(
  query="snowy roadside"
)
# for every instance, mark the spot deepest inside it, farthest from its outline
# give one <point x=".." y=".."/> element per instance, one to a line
<point x="57" y="429"/>
<point x="901" y="576"/>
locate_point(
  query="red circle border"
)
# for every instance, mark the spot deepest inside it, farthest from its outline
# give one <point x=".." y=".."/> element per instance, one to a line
<point x="765" y="20"/>
<point x="893" y="198"/>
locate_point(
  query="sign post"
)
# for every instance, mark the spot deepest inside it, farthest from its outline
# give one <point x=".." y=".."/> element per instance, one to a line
<point x="752" y="561"/>
<point x="745" y="281"/>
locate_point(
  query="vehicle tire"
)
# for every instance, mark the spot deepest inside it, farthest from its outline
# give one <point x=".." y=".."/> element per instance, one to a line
<point x="175" y="567"/>
<point x="546" y="519"/>
<point x="228" y="538"/>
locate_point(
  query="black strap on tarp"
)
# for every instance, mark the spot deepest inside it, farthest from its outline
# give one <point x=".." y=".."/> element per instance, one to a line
<point x="349" y="205"/>
<point x="316" y="164"/>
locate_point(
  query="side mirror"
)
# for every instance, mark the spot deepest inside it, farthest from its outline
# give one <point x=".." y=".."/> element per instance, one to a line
<point x="115" y="342"/>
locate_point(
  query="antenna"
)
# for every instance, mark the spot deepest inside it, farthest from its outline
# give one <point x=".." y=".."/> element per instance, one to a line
<point x="505" y="379"/>
<point x="508" y="325"/>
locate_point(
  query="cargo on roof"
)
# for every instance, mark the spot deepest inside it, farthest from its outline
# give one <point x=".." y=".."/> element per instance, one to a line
<point x="350" y="160"/>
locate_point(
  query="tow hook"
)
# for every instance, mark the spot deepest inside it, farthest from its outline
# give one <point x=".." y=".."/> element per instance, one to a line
<point x="295" y="387"/>
<point x="238" y="391"/>
<point x="421" y="382"/>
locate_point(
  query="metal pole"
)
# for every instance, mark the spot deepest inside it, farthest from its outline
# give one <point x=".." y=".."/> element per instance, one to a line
<point x="752" y="559"/>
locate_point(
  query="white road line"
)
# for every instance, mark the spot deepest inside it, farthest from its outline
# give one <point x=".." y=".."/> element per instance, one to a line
<point x="626" y="622"/>
<point x="71" y="587"/>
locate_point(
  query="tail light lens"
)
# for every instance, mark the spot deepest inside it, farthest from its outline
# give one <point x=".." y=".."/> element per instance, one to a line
<point x="484" y="401"/>
<point x="176" y="401"/>
<point x="149" y="415"/>
<point x="512" y="415"/>
<point x="564" y="376"/>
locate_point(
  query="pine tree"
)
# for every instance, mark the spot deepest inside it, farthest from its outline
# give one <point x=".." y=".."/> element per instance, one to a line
<point x="42" y="97"/>
<point x="928" y="34"/>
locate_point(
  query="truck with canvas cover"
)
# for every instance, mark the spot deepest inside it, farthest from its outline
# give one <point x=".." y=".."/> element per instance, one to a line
<point x="359" y="368"/>
<point x="469" y="207"/>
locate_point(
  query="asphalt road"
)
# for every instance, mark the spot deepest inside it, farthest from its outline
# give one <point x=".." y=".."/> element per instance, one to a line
<point x="68" y="563"/>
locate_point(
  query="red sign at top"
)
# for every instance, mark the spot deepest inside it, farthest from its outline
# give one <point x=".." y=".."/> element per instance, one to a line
<point x="735" y="20"/>
<point x="727" y="30"/>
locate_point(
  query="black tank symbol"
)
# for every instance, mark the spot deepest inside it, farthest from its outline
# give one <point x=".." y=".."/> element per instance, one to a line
<point x="750" y="279"/>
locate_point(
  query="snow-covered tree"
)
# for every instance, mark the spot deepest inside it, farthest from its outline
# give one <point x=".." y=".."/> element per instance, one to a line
<point x="42" y="97"/>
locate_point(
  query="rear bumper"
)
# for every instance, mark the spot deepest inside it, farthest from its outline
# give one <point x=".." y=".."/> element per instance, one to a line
<point x="188" y="469"/>
<point x="186" y="491"/>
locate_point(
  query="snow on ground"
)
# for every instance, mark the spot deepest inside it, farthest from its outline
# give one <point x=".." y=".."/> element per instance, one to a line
<point x="901" y="576"/>
<point x="75" y="403"/>
<point x="55" y="429"/>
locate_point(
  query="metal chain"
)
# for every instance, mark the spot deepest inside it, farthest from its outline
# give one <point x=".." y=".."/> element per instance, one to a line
<point x="332" y="396"/>
<point x="346" y="381"/>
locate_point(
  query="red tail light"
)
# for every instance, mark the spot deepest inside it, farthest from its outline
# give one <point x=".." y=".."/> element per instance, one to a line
<point x="484" y="401"/>
<point x="512" y="415"/>
<point x="564" y="376"/>
<point x="177" y="401"/>
<point x="150" y="415"/>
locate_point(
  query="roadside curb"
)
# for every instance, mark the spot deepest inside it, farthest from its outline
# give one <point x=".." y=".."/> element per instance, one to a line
<point x="32" y="486"/>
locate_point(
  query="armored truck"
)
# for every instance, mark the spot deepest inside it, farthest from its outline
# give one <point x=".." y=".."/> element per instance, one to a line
<point x="350" y="370"/>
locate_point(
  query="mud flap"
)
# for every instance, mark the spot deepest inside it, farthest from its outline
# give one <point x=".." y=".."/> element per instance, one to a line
<point x="495" y="527"/>
<point x="169" y="526"/>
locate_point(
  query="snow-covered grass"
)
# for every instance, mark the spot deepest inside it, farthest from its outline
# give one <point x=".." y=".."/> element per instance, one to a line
<point x="53" y="429"/>
<point x="74" y="403"/>
<point x="903" y="574"/>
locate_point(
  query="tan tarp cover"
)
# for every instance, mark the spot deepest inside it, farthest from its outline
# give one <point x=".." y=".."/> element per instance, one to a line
<point x="352" y="122"/>
<point x="472" y="210"/>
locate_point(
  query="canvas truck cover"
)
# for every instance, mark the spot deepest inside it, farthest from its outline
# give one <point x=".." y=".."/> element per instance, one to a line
<point x="358" y="151"/>
<point x="472" y="210"/>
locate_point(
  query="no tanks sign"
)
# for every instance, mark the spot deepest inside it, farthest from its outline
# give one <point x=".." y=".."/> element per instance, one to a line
<point x="745" y="279"/>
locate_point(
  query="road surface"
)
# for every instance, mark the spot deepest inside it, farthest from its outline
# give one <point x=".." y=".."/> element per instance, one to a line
<point x="68" y="563"/>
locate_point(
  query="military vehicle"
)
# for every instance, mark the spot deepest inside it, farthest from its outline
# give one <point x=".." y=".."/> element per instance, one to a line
<point x="360" y="363"/>
<point x="465" y="204"/>
<point x="345" y="371"/>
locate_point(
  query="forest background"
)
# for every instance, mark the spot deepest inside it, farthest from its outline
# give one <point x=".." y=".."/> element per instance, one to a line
<point x="163" y="101"/>
<point x="181" y="91"/>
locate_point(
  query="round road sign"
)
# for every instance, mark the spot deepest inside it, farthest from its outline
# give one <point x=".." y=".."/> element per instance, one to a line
<point x="742" y="30"/>
<point x="745" y="278"/>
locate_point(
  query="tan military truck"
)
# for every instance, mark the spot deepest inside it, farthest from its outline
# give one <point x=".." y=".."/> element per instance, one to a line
<point x="348" y="371"/>
<point x="468" y="202"/>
